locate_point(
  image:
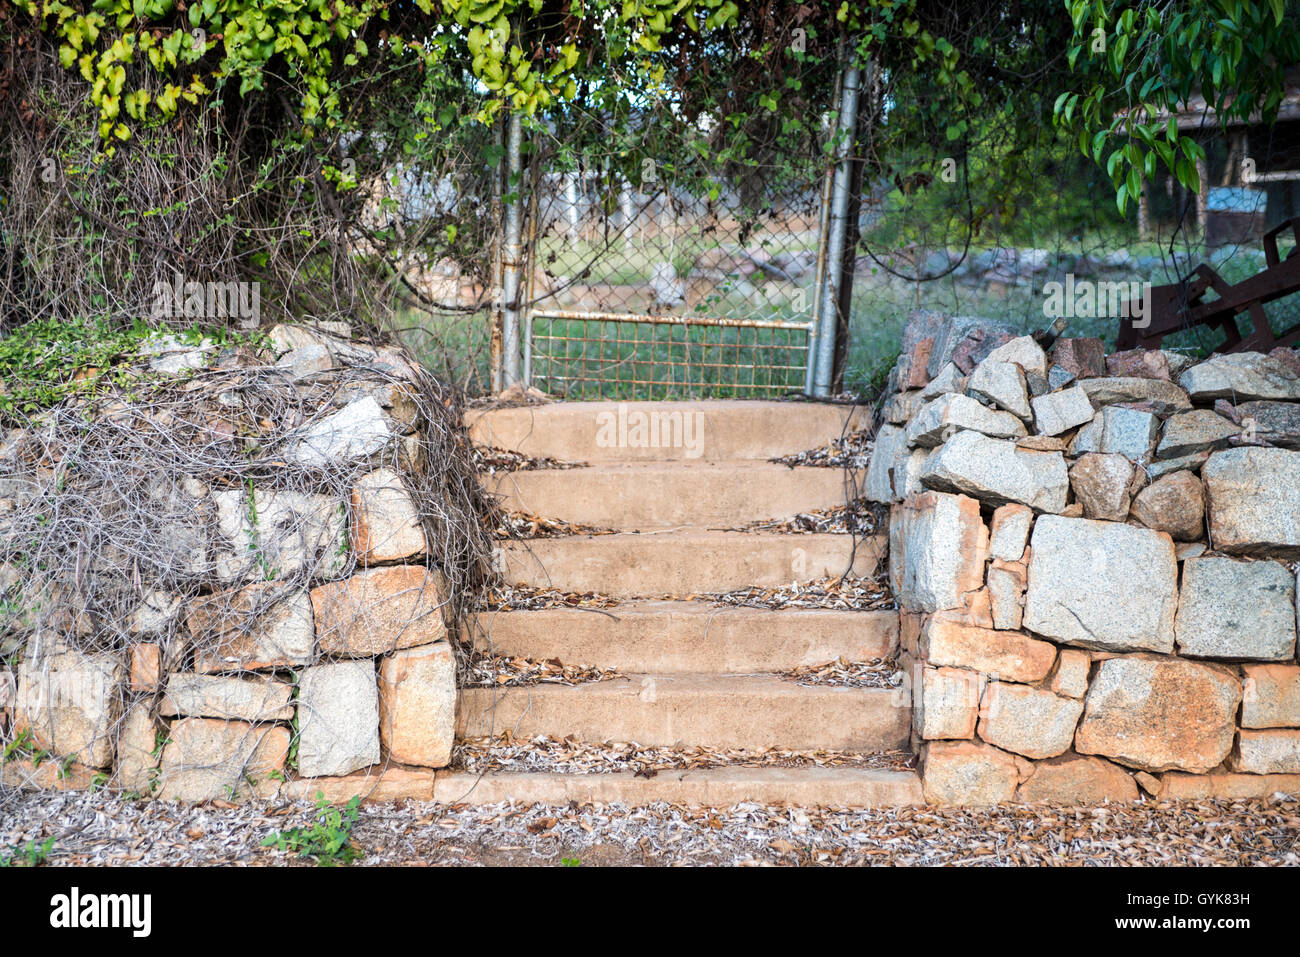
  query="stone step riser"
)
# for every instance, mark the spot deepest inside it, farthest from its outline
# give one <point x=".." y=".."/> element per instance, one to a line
<point x="713" y="787"/>
<point x="683" y="563"/>
<point x="688" y="637"/>
<point x="715" y="711"/>
<point x="687" y="432"/>
<point x="672" y="496"/>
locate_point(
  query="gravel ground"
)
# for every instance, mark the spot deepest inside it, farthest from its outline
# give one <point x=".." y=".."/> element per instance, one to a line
<point x="94" y="829"/>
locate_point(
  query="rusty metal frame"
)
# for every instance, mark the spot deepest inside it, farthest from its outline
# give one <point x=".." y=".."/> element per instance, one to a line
<point x="1182" y="305"/>
<point x="515" y="331"/>
<point x="782" y="379"/>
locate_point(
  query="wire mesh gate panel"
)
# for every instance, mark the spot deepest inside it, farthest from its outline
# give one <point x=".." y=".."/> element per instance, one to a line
<point x="666" y="295"/>
<point x="656" y="265"/>
<point x="626" y="356"/>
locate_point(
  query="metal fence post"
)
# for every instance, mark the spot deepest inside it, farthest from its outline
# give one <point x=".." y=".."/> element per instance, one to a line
<point x="829" y="315"/>
<point x="513" y="253"/>
<point x="823" y="239"/>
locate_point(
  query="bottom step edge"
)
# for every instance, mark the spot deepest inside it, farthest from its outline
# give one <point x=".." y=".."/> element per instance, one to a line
<point x="708" y="787"/>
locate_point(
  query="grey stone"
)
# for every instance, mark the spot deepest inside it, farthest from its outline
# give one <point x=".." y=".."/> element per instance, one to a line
<point x="1010" y="531"/>
<point x="169" y="355"/>
<point x="70" y="702"/>
<point x="338" y="718"/>
<point x="209" y="759"/>
<point x="306" y="361"/>
<point x="1179" y="362"/>
<point x="1118" y="430"/>
<point x="1174" y="504"/>
<point x="1061" y="411"/>
<point x="1006" y="582"/>
<point x="1184" y="463"/>
<point x="889" y="441"/>
<point x="944" y="417"/>
<point x="997" y="472"/>
<point x="902" y="406"/>
<point x="1101" y="585"/>
<point x="210" y="696"/>
<point x="1001" y="384"/>
<point x="1277" y="423"/>
<point x="1058" y="377"/>
<point x="1025" y="720"/>
<point x="1128" y="432"/>
<point x="1024" y="352"/>
<point x="894" y="471"/>
<point x="1244" y="611"/>
<point x="136" y="765"/>
<point x="155" y="613"/>
<point x="179" y="513"/>
<point x="1254" y="501"/>
<point x="1197" y="431"/>
<point x="1101" y="485"/>
<point x="1088" y="439"/>
<point x="1240" y="376"/>
<point x="333" y="335"/>
<point x="948" y="380"/>
<point x="276" y="534"/>
<point x="399" y="402"/>
<point x="1160" y="713"/>
<point x="956" y="330"/>
<point x="937" y="549"/>
<point x="1266" y="752"/>
<point x="356" y="431"/>
<point x="1164" y="397"/>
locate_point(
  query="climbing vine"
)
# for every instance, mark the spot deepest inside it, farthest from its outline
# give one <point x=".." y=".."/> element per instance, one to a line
<point x="1139" y="62"/>
<point x="204" y="48"/>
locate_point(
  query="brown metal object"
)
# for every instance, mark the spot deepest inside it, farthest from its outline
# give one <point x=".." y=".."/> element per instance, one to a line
<point x="1182" y="305"/>
<point x="584" y="355"/>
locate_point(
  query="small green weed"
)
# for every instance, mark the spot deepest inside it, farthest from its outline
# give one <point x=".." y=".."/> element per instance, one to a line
<point x="29" y="855"/>
<point x="328" y="841"/>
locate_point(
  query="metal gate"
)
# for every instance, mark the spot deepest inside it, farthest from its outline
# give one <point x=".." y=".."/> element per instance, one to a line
<point x="651" y="290"/>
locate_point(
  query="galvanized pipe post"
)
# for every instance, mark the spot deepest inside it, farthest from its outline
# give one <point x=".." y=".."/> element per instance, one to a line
<point x="512" y="259"/>
<point x="829" y="313"/>
<point x="823" y="229"/>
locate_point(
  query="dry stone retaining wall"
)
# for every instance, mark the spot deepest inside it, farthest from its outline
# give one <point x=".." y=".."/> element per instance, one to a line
<point x="1095" y="560"/>
<point x="282" y="622"/>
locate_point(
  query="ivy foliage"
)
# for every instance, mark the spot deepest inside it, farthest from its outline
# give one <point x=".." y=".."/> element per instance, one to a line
<point x="1139" y="62"/>
<point x="45" y="361"/>
<point x="207" y="48"/>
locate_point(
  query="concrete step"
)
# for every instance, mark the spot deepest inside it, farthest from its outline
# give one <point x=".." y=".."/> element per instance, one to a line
<point x="719" y="711"/>
<point x="707" y="430"/>
<point x="669" y="495"/>
<point x="675" y="637"/>
<point x="710" y="787"/>
<point x="683" y="562"/>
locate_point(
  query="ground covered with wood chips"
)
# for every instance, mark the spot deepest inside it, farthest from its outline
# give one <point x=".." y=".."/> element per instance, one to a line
<point x="91" y="829"/>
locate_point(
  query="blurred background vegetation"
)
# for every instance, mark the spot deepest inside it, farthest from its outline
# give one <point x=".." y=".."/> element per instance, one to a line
<point x="350" y="159"/>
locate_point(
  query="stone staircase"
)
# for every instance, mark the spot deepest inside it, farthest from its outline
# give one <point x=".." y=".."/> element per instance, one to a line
<point x="668" y="478"/>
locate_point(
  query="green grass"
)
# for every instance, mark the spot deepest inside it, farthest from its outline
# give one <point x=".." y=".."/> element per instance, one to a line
<point x="585" y="360"/>
<point x="45" y="361"/>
